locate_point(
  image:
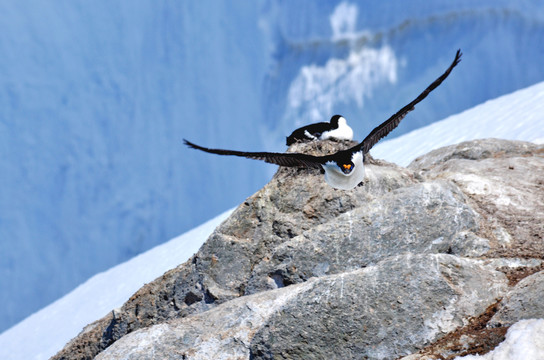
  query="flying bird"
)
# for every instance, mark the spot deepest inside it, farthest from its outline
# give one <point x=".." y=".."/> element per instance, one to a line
<point x="343" y="169"/>
<point x="337" y="128"/>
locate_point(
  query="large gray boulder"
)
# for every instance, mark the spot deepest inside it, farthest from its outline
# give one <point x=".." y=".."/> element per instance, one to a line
<point x="414" y="262"/>
<point x="323" y="318"/>
<point x="504" y="181"/>
<point x="524" y="301"/>
<point x="408" y="219"/>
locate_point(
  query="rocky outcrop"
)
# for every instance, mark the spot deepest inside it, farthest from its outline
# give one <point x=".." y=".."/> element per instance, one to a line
<point x="322" y="317"/>
<point x="524" y="301"/>
<point x="431" y="261"/>
<point x="504" y="181"/>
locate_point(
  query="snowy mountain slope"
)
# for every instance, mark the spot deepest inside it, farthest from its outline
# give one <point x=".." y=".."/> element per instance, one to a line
<point x="95" y="98"/>
<point x="521" y="112"/>
<point x="88" y="303"/>
<point x="47" y="331"/>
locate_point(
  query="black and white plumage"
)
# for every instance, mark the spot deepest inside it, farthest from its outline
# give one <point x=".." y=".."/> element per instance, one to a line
<point x="336" y="128"/>
<point x="343" y="169"/>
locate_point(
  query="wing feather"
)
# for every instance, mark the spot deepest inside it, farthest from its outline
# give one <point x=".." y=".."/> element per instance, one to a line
<point x="282" y="159"/>
<point x="387" y="126"/>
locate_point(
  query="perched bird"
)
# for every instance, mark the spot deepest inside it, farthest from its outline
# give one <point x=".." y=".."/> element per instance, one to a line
<point x="343" y="169"/>
<point x="337" y="128"/>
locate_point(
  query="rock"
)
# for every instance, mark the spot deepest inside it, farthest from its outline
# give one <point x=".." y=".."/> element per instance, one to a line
<point x="524" y="301"/>
<point x="294" y="200"/>
<point x="412" y="263"/>
<point x="379" y="312"/>
<point x="505" y="182"/>
<point x="475" y="150"/>
<point x="405" y="220"/>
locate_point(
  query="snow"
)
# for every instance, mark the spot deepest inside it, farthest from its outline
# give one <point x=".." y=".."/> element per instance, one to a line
<point x="524" y="340"/>
<point x="343" y="21"/>
<point x="521" y="118"/>
<point x="44" y="333"/>
<point x="95" y="97"/>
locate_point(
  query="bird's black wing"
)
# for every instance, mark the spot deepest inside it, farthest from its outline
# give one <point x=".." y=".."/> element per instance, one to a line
<point x="387" y="126"/>
<point x="282" y="159"/>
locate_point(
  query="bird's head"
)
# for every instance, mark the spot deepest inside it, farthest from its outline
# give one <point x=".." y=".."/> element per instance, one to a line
<point x="344" y="162"/>
<point x="337" y="119"/>
<point x="346" y="167"/>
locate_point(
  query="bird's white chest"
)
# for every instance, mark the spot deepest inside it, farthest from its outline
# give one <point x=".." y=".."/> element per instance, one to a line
<point x="343" y="132"/>
<point x="338" y="180"/>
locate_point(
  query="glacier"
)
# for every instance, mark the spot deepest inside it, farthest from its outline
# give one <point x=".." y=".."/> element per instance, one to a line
<point x="96" y="97"/>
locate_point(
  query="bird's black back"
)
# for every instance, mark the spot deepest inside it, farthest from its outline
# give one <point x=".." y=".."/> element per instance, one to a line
<point x="300" y="134"/>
